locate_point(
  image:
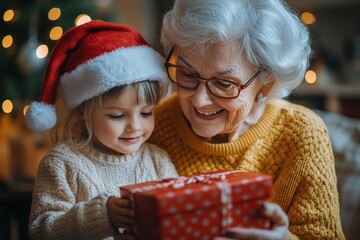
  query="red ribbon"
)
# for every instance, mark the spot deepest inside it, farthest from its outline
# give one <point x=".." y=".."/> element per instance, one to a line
<point x="203" y="178"/>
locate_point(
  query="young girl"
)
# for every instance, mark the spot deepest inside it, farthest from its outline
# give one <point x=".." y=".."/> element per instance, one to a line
<point x="109" y="80"/>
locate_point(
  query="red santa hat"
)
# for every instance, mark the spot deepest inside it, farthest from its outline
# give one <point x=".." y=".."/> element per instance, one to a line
<point x="89" y="60"/>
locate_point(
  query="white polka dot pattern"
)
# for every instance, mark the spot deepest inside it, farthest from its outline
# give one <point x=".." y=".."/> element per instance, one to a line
<point x="198" y="210"/>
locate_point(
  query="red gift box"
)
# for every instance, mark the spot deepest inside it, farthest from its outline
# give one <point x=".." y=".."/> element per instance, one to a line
<point x="199" y="207"/>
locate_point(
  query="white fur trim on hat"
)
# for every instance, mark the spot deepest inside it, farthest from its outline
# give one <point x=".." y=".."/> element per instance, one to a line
<point x="40" y="116"/>
<point x="120" y="67"/>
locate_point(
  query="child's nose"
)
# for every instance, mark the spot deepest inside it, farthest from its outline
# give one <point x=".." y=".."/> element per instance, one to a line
<point x="134" y="125"/>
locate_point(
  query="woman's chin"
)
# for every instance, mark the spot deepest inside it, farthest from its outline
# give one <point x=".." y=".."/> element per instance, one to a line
<point x="205" y="131"/>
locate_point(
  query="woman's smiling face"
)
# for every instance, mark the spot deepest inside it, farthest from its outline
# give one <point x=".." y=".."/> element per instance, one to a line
<point x="208" y="115"/>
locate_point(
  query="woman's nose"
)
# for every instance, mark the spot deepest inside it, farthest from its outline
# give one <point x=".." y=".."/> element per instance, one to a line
<point x="202" y="96"/>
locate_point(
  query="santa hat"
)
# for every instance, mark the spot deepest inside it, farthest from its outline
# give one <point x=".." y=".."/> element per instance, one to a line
<point x="89" y="60"/>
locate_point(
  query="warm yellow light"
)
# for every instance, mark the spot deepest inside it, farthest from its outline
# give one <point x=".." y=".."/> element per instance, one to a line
<point x="308" y="18"/>
<point x="56" y="33"/>
<point x="7" y="106"/>
<point x="26" y="107"/>
<point x="8" y="15"/>
<point x="310" y="77"/>
<point x="7" y="41"/>
<point x="54" y="14"/>
<point x="42" y="51"/>
<point x="81" y="19"/>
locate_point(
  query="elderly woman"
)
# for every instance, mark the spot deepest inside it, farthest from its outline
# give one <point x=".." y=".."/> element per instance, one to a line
<point x="232" y="62"/>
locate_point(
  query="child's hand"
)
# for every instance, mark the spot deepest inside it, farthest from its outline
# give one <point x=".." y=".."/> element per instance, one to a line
<point x="121" y="213"/>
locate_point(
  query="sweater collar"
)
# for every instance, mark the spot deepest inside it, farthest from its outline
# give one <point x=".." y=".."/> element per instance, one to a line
<point x="98" y="156"/>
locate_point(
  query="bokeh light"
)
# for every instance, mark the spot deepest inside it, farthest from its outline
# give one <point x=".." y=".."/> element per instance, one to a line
<point x="26" y="107"/>
<point x="56" y="33"/>
<point x="308" y="18"/>
<point x="54" y="14"/>
<point x="310" y="76"/>
<point x="81" y="19"/>
<point x="7" y="106"/>
<point x="42" y="51"/>
<point x="7" y="41"/>
<point x="8" y="15"/>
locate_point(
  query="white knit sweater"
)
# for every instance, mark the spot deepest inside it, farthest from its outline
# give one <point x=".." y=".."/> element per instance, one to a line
<point x="72" y="188"/>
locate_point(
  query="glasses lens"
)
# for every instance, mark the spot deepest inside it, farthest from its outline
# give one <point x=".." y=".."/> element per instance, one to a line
<point x="183" y="78"/>
<point x="218" y="87"/>
<point x="172" y="73"/>
<point x="223" y="88"/>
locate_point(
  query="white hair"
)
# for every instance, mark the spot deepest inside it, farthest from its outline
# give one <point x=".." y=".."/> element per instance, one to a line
<point x="271" y="35"/>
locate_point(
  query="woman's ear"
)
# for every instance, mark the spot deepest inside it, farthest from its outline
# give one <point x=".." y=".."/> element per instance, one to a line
<point x="264" y="92"/>
<point x="266" y="88"/>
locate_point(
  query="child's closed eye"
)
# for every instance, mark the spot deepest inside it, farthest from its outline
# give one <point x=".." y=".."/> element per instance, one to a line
<point x="116" y="116"/>
<point x="147" y="114"/>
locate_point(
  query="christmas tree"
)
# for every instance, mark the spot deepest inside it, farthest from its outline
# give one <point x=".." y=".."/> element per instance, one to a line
<point x="29" y="31"/>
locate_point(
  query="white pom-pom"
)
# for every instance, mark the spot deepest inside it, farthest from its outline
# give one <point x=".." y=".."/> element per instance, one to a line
<point x="40" y="116"/>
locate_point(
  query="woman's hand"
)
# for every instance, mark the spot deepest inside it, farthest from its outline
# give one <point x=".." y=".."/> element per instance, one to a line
<point x="121" y="214"/>
<point x="279" y="231"/>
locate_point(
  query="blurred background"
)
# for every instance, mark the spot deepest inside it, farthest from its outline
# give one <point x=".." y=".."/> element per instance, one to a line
<point x="29" y="30"/>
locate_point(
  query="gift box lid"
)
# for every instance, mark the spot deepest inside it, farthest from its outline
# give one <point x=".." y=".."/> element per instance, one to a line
<point x="201" y="191"/>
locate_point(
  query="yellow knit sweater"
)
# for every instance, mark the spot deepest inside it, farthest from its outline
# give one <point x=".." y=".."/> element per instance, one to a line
<point x="289" y="142"/>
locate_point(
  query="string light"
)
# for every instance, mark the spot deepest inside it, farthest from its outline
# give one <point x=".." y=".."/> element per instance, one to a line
<point x="42" y="51"/>
<point x="310" y="77"/>
<point x="54" y="14"/>
<point x="26" y="107"/>
<point x="56" y="33"/>
<point x="7" y="106"/>
<point x="81" y="19"/>
<point x="7" y="41"/>
<point x="8" y="15"/>
<point x="308" y="18"/>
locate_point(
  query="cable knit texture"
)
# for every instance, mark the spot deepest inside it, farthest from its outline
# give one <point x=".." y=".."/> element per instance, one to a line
<point x="290" y="142"/>
<point x="72" y="188"/>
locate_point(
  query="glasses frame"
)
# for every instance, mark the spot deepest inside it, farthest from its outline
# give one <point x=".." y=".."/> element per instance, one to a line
<point x="207" y="80"/>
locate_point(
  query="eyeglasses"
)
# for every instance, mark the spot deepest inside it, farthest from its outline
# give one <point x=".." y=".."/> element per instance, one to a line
<point x="222" y="88"/>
